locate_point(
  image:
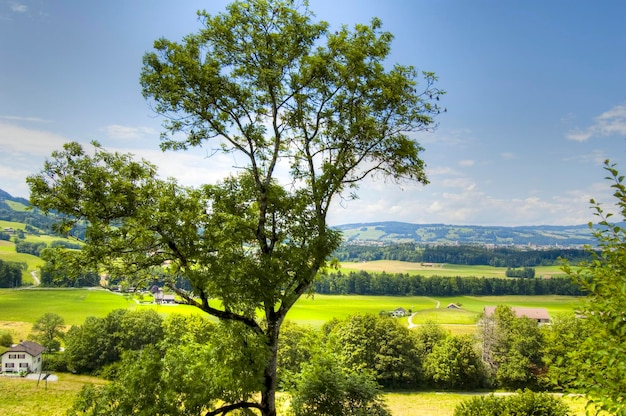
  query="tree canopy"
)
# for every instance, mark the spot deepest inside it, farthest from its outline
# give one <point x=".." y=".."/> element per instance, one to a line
<point x="309" y="113"/>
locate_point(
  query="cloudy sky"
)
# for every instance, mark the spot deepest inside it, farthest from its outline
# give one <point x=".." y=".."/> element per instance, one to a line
<point x="536" y="99"/>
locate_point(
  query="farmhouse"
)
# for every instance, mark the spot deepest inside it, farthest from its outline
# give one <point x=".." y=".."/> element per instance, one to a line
<point x="398" y="313"/>
<point x="540" y="315"/>
<point x="162" y="298"/>
<point x="453" y="306"/>
<point x="25" y="357"/>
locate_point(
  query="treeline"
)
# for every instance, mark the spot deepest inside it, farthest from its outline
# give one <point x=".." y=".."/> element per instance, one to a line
<point x="399" y="284"/>
<point x="461" y="254"/>
<point x="11" y="274"/>
<point x="143" y="353"/>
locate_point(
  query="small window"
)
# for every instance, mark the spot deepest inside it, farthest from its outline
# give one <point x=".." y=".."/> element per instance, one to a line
<point x="23" y="365"/>
<point x="21" y="356"/>
<point x="9" y="365"/>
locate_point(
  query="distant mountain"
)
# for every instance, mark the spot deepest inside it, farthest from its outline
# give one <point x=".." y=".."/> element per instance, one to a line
<point x="5" y="196"/>
<point x="391" y="232"/>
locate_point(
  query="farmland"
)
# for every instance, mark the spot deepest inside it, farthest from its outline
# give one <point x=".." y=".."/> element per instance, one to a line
<point x="428" y="270"/>
<point x="25" y="397"/>
<point x="74" y="305"/>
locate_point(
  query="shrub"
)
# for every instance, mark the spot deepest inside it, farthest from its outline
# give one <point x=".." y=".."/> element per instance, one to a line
<point x="6" y="340"/>
<point x="526" y="403"/>
<point x="55" y="362"/>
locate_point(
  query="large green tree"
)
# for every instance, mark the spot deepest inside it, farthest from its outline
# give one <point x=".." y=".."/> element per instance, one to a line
<point x="49" y="329"/>
<point x="309" y="113"/>
<point x="598" y="365"/>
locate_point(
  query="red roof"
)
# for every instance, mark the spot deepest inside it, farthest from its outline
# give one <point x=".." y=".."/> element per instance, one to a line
<point x="532" y="313"/>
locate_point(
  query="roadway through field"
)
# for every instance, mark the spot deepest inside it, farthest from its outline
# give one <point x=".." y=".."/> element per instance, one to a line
<point x="411" y="324"/>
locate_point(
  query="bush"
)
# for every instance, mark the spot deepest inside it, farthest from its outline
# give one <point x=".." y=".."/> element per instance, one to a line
<point x="6" y="340"/>
<point x="526" y="403"/>
<point x="55" y="362"/>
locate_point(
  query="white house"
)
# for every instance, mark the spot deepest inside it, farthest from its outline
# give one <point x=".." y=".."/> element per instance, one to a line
<point x="23" y="357"/>
<point x="398" y="313"/>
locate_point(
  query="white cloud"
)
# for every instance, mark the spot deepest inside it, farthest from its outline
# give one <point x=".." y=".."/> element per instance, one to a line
<point x="18" y="7"/>
<point x="609" y="123"/>
<point x="467" y="163"/>
<point x="116" y="131"/>
<point x="27" y="119"/>
<point x="507" y="156"/>
<point x="19" y="141"/>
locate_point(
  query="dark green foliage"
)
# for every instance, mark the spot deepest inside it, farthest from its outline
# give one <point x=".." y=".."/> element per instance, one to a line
<point x="11" y="273"/>
<point x="526" y="272"/>
<point x="324" y="388"/>
<point x="100" y="341"/>
<point x="30" y="247"/>
<point x="512" y="348"/>
<point x="470" y="254"/>
<point x="364" y="283"/>
<point x="455" y="363"/>
<point x="62" y="269"/>
<point x="526" y="403"/>
<point x="298" y="345"/>
<point x="380" y="345"/>
<point x="561" y="339"/>
<point x="6" y="340"/>
<point x="55" y="362"/>
<point x="49" y="330"/>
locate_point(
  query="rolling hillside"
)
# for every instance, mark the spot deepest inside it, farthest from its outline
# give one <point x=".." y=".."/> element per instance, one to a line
<point x="14" y="209"/>
<point x="401" y="232"/>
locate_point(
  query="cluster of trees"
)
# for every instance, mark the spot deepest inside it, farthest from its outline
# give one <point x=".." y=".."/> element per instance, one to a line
<point x="30" y="247"/>
<point x="525" y="273"/>
<point x="469" y="254"/>
<point x="11" y="273"/>
<point x="400" y="284"/>
<point x="341" y="366"/>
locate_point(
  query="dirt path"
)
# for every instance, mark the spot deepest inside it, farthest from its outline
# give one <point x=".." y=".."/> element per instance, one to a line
<point x="33" y="274"/>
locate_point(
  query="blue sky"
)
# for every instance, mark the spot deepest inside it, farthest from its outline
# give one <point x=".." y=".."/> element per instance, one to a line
<point x="536" y="99"/>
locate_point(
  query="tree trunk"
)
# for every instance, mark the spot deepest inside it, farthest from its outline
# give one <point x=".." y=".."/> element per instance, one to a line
<point x="268" y="396"/>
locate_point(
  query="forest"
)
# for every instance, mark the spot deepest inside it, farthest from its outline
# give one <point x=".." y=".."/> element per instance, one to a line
<point x="468" y="254"/>
<point x="399" y="284"/>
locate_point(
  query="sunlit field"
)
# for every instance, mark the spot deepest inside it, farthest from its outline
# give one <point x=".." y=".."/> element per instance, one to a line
<point x="438" y="269"/>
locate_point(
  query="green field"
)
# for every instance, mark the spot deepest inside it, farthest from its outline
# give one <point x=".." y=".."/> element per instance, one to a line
<point x="438" y="269"/>
<point x="24" y="397"/>
<point x="74" y="305"/>
<point x="19" y="308"/>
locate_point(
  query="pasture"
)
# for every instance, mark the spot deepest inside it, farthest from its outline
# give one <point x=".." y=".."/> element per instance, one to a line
<point x="438" y="269"/>
<point x="25" y="397"/>
<point x="74" y="305"/>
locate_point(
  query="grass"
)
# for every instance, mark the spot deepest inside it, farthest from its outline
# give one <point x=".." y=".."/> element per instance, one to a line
<point x="16" y="206"/>
<point x="443" y="404"/>
<point x="317" y="309"/>
<point x="74" y="305"/>
<point x="438" y="269"/>
<point x="23" y="397"/>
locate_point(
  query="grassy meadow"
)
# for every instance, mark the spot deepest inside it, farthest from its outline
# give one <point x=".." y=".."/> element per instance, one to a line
<point x="438" y="269"/>
<point x="25" y="397"/>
